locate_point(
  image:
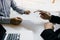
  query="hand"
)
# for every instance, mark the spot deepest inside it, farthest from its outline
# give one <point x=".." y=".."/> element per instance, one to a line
<point x="27" y="12"/>
<point x="44" y="14"/>
<point x="48" y="25"/>
<point x="15" y="21"/>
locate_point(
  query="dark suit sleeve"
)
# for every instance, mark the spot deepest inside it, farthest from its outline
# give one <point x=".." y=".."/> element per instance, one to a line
<point x="2" y="32"/>
<point x="49" y="34"/>
<point x="55" y="19"/>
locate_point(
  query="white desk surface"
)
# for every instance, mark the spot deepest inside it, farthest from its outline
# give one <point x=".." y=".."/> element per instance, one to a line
<point x="30" y="28"/>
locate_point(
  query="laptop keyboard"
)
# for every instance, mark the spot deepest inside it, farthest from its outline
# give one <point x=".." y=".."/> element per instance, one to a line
<point x="13" y="36"/>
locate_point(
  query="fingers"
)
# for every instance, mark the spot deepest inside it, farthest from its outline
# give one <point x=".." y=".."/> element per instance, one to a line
<point x="18" y="20"/>
<point x="42" y="16"/>
<point x="38" y="11"/>
<point x="27" y="12"/>
<point x="41" y="12"/>
<point x="18" y="17"/>
<point x="48" y="25"/>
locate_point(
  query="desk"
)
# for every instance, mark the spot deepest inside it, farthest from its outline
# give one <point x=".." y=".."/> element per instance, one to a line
<point x="30" y="28"/>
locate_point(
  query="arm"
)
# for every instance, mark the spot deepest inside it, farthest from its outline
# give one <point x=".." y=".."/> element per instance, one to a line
<point x="13" y="5"/>
<point x="4" y="20"/>
<point x="7" y="20"/>
<point x="47" y="16"/>
<point x="49" y="34"/>
<point x="55" y="19"/>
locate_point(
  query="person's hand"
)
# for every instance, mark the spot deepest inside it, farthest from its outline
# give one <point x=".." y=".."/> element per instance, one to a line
<point x="48" y="25"/>
<point x="15" y="21"/>
<point x="27" y="12"/>
<point x="44" y="14"/>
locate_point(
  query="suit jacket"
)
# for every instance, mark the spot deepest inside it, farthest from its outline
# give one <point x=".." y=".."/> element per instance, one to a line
<point x="49" y="34"/>
<point x="2" y="32"/>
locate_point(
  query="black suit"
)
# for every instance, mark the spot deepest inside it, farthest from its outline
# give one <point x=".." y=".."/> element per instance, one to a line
<point x="49" y="34"/>
<point x="2" y="32"/>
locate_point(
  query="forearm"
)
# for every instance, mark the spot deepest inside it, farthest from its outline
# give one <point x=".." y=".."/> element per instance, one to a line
<point x="48" y="34"/>
<point x="4" y="20"/>
<point x="55" y="19"/>
<point x="13" y="5"/>
<point x="21" y="11"/>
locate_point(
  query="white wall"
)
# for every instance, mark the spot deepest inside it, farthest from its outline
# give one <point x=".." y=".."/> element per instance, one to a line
<point x="32" y="24"/>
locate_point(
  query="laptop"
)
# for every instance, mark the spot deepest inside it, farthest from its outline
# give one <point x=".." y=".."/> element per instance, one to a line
<point x="12" y="36"/>
<point x="8" y="36"/>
